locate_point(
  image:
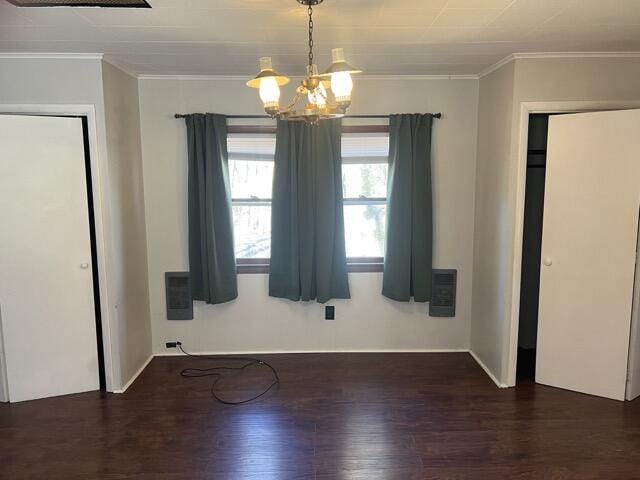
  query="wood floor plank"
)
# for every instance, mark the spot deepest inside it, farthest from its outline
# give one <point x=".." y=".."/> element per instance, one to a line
<point x="335" y="416"/>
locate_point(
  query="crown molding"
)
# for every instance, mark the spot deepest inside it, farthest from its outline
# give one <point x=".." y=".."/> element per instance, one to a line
<point x="499" y="64"/>
<point x="504" y="61"/>
<point x="444" y="76"/>
<point x="68" y="56"/>
<point x="237" y="78"/>
<point x="51" y="56"/>
<point x="121" y="66"/>
<point x="541" y="55"/>
<point x="578" y="55"/>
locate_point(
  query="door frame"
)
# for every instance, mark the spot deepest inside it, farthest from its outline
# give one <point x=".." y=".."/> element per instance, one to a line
<point x="510" y="348"/>
<point x="101" y="215"/>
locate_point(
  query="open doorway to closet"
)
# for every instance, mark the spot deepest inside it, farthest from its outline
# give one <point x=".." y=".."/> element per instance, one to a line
<point x="576" y="292"/>
<point x="532" y="245"/>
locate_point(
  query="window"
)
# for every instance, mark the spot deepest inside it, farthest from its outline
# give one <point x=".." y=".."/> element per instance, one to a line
<point x="365" y="150"/>
<point x="251" y="172"/>
<point x="364" y="179"/>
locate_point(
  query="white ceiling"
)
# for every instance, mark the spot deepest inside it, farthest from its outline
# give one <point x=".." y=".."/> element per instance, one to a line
<point x="407" y="37"/>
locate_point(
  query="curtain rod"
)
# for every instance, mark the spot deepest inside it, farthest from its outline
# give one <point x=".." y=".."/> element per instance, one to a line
<point x="181" y="115"/>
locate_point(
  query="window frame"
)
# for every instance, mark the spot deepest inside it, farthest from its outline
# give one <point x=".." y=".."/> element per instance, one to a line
<point x="354" y="264"/>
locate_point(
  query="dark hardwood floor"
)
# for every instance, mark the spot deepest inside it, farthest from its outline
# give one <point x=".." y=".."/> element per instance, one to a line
<point x="336" y="416"/>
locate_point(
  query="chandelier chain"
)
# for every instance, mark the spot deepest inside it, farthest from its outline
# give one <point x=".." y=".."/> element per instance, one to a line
<point x="310" y="12"/>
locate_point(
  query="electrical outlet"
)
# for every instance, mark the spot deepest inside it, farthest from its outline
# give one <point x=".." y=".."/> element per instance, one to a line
<point x="329" y="312"/>
<point x="171" y="344"/>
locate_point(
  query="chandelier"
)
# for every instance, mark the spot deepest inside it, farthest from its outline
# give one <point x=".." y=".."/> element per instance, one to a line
<point x="323" y="96"/>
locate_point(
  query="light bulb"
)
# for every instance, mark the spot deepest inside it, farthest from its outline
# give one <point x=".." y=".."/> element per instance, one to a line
<point x="342" y="85"/>
<point x="318" y="96"/>
<point x="269" y="92"/>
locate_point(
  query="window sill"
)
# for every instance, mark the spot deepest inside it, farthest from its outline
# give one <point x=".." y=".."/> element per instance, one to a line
<point x="354" y="265"/>
<point x="243" y="267"/>
<point x="365" y="267"/>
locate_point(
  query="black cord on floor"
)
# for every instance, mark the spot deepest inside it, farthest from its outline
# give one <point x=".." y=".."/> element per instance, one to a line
<point x="216" y="372"/>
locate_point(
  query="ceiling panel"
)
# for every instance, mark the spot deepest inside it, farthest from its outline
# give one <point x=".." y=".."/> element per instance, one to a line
<point x="526" y="14"/>
<point x="466" y="17"/>
<point x="474" y="4"/>
<point x="417" y="17"/>
<point x="381" y="36"/>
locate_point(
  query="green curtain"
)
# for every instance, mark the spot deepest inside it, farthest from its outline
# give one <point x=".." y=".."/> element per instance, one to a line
<point x="308" y="259"/>
<point x="408" y="255"/>
<point x="212" y="262"/>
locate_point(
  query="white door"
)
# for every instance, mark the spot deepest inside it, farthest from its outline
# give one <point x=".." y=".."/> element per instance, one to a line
<point x="590" y="227"/>
<point x="46" y="289"/>
<point x="633" y="376"/>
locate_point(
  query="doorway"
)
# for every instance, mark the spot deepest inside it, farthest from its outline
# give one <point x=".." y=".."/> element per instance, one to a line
<point x="584" y="315"/>
<point x="532" y="245"/>
<point x="52" y="322"/>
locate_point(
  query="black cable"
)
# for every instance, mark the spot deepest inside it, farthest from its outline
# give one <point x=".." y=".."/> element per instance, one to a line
<point x="215" y="372"/>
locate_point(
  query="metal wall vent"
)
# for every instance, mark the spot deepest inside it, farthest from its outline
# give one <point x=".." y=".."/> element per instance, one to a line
<point x="443" y="293"/>
<point x="82" y="3"/>
<point x="178" y="296"/>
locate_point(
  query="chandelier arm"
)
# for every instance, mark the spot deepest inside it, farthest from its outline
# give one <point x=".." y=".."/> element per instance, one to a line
<point x="292" y="104"/>
<point x="330" y="104"/>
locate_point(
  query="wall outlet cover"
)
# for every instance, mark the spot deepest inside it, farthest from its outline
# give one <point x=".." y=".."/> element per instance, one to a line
<point x="329" y="312"/>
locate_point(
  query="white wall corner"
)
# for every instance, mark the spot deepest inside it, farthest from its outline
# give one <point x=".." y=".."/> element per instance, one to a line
<point x="487" y="371"/>
<point x="135" y="376"/>
<point x="121" y="66"/>
<point x="497" y="65"/>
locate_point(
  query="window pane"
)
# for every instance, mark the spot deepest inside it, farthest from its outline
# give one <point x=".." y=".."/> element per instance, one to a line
<point x="250" y="178"/>
<point x="252" y="231"/>
<point x="364" y="230"/>
<point x="251" y="146"/>
<point x="365" y="147"/>
<point x="251" y="164"/>
<point x="364" y="179"/>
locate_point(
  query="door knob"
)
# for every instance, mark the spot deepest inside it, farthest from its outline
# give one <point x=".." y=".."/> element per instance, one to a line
<point x="548" y="262"/>
<point x="84" y="266"/>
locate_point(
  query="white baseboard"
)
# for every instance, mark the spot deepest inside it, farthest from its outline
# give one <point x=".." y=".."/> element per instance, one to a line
<point x="487" y="371"/>
<point x="135" y="375"/>
<point x="272" y="352"/>
<point x="283" y="352"/>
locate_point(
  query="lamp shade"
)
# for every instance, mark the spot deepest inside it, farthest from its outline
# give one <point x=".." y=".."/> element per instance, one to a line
<point x="339" y="64"/>
<point x="266" y="71"/>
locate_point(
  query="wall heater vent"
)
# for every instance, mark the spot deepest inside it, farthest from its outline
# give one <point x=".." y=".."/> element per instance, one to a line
<point x="443" y="293"/>
<point x="178" y="295"/>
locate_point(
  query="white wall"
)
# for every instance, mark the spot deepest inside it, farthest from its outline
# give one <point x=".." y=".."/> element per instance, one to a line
<point x="490" y="241"/>
<point x="79" y="81"/>
<point x="256" y="322"/>
<point x="128" y="234"/>
<point x="603" y="80"/>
